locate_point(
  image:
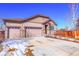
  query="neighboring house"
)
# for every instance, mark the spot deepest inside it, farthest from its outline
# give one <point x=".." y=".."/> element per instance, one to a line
<point x="38" y="25"/>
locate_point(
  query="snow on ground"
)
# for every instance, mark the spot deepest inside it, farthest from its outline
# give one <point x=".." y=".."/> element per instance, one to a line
<point x="39" y="46"/>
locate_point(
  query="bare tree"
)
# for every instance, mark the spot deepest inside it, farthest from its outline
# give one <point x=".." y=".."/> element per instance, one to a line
<point x="72" y="15"/>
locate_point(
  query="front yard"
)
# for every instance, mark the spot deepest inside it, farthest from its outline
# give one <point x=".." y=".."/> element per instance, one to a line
<point x="39" y="46"/>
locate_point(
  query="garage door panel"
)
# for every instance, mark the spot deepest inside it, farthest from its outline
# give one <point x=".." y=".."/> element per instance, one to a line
<point x="14" y="33"/>
<point x="33" y="32"/>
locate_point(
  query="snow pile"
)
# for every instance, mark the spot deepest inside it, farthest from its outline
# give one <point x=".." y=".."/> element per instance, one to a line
<point x="20" y="45"/>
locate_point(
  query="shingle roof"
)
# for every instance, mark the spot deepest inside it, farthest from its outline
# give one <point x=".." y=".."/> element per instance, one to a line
<point x="19" y="20"/>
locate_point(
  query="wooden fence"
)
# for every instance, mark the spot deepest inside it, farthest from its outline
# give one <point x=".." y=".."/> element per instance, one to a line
<point x="2" y="35"/>
<point x="69" y="34"/>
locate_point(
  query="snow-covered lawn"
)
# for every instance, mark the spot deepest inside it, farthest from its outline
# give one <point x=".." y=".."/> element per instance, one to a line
<point x="39" y="46"/>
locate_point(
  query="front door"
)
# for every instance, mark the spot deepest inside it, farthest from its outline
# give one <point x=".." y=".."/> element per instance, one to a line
<point x="46" y="29"/>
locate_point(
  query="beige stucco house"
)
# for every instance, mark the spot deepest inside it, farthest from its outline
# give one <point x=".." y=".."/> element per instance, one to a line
<point x="38" y="25"/>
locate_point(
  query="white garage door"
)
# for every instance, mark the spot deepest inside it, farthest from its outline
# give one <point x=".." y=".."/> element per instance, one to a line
<point x="33" y="32"/>
<point x="14" y="33"/>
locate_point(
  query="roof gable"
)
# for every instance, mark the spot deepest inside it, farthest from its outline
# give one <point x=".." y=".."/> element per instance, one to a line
<point x="38" y="20"/>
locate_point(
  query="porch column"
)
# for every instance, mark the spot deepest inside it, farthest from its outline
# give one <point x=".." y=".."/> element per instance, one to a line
<point x="22" y="31"/>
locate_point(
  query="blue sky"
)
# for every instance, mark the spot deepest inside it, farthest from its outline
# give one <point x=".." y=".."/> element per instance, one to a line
<point x="57" y="12"/>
